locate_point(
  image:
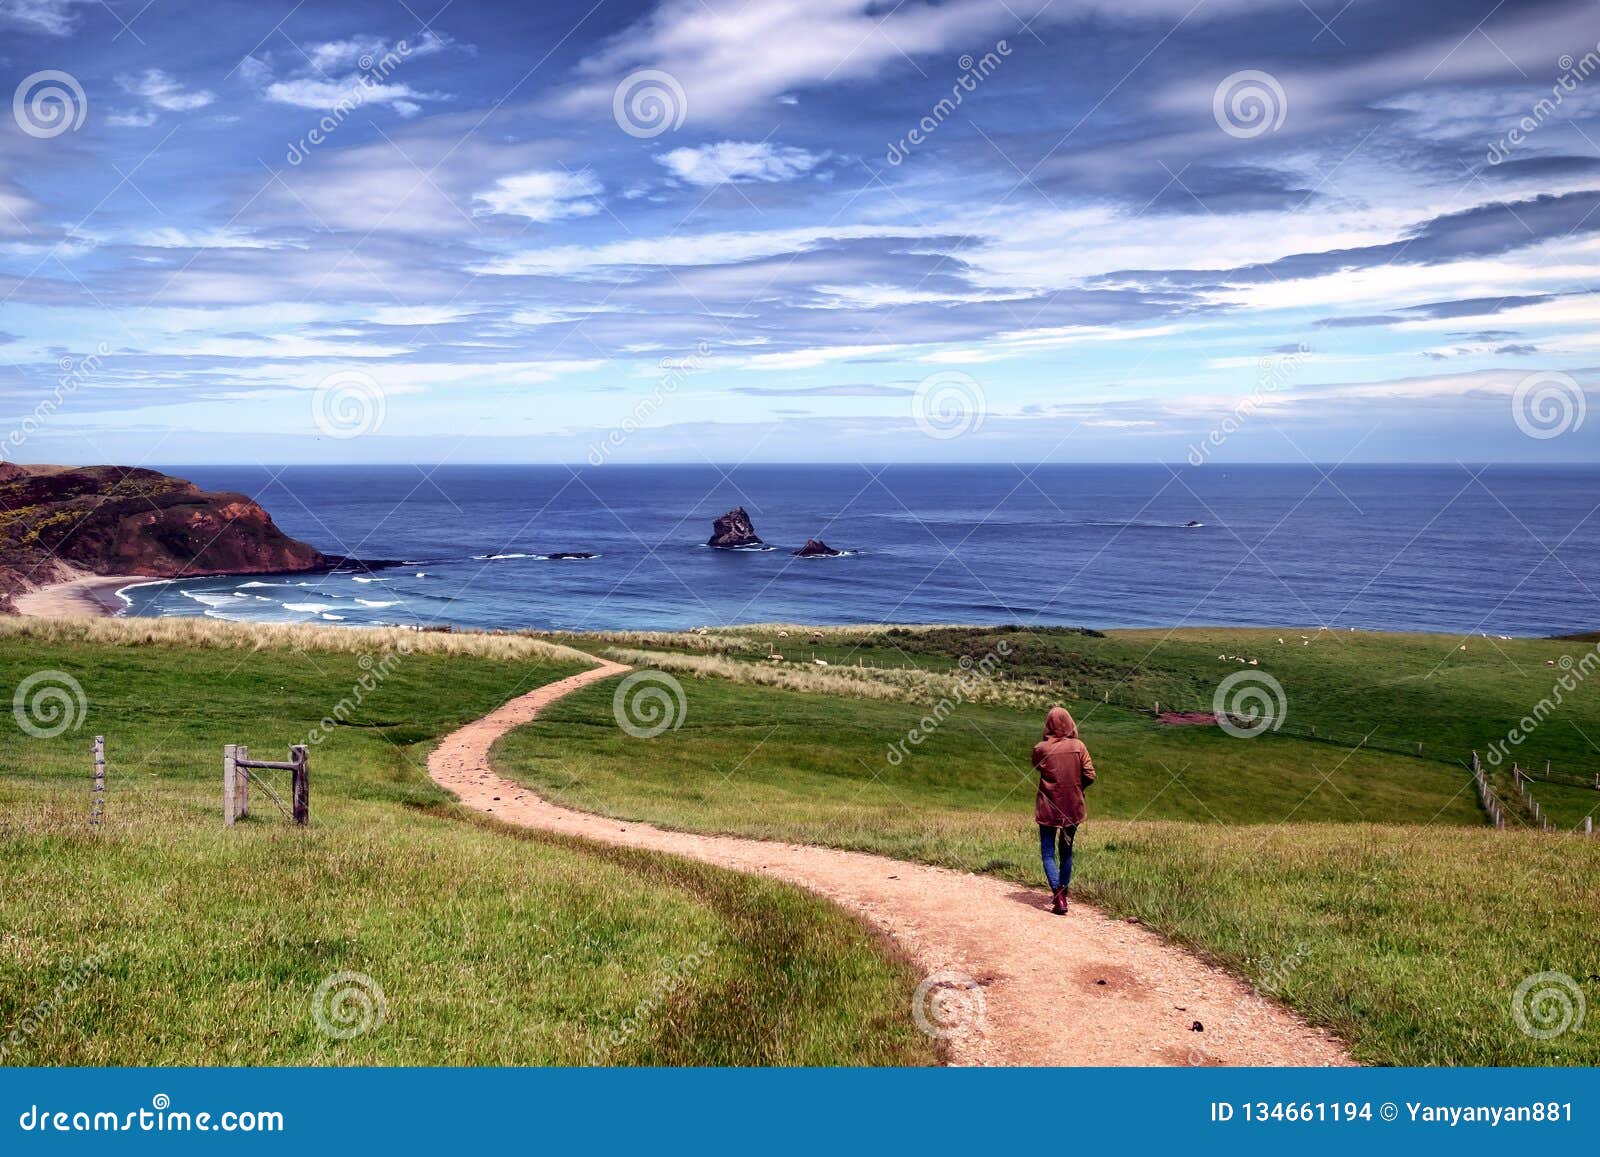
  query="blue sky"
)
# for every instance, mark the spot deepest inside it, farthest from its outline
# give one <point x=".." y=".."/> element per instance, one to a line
<point x="781" y="230"/>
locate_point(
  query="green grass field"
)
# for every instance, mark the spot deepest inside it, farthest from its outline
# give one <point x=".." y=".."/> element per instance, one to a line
<point x="1410" y="923"/>
<point x="164" y="939"/>
<point x="1355" y="875"/>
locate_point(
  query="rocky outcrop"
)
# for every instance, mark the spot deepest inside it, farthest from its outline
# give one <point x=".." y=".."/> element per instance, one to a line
<point x="816" y="548"/>
<point x="733" y="530"/>
<point x="115" y="520"/>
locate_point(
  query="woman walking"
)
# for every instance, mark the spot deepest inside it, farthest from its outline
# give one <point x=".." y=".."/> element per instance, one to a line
<point x="1065" y="770"/>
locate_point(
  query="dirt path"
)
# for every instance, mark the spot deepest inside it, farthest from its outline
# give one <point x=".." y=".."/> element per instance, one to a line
<point x="1082" y="989"/>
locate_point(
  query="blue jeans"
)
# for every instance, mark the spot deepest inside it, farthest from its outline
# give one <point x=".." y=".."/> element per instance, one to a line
<point x="1048" y="838"/>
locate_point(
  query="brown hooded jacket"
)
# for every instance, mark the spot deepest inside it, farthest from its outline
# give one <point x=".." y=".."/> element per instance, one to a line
<point x="1065" y="769"/>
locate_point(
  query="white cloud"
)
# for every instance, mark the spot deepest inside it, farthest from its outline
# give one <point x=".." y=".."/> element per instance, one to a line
<point x="271" y="346"/>
<point x="419" y="183"/>
<point x="417" y="315"/>
<point x="354" y="91"/>
<point x="132" y="120"/>
<point x="365" y="52"/>
<point x="808" y="359"/>
<point x="734" y="161"/>
<point x="722" y="51"/>
<point x="54" y="17"/>
<point x="173" y="238"/>
<point x="541" y="316"/>
<point x="13" y="208"/>
<point x="680" y="250"/>
<point x="543" y="195"/>
<point x="347" y="74"/>
<point x="164" y="91"/>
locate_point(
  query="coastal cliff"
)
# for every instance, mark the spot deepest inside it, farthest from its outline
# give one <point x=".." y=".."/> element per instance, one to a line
<point x="64" y="522"/>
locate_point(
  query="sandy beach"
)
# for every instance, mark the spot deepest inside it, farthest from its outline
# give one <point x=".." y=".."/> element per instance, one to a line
<point x="92" y="597"/>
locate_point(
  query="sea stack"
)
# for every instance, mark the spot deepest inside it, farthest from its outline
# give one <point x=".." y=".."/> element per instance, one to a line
<point x="733" y="530"/>
<point x="816" y="548"/>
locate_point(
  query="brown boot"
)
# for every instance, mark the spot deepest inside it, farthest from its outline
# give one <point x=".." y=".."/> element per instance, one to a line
<point x="1060" y="906"/>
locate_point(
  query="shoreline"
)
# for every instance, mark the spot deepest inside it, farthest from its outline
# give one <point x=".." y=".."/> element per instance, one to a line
<point x="97" y="597"/>
<point x="91" y="597"/>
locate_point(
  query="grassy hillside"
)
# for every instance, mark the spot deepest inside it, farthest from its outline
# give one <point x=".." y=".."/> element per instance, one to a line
<point x="1387" y="692"/>
<point x="1409" y="924"/>
<point x="166" y="940"/>
<point x="793" y="749"/>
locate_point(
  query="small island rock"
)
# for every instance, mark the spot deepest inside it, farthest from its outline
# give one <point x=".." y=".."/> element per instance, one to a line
<point x="733" y="530"/>
<point x="816" y="548"/>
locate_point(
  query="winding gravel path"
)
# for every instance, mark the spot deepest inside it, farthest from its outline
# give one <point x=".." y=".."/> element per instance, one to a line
<point x="1010" y="983"/>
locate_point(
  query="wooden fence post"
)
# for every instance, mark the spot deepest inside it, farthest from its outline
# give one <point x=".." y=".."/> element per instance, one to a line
<point x="230" y="782"/>
<point x="97" y="803"/>
<point x="1588" y="825"/>
<point x="302" y="784"/>
<point x="241" y="794"/>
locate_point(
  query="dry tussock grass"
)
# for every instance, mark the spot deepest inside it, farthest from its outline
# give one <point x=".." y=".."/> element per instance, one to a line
<point x="212" y="634"/>
<point x="754" y="637"/>
<point x="887" y="684"/>
<point x="710" y="643"/>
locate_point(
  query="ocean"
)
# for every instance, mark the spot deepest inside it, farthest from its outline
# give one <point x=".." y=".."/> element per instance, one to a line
<point x="1508" y="550"/>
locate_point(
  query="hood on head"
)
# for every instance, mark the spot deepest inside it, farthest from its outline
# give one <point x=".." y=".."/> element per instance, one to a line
<point x="1058" y="724"/>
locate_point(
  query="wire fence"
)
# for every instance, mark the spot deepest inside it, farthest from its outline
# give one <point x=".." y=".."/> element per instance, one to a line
<point x="1522" y="806"/>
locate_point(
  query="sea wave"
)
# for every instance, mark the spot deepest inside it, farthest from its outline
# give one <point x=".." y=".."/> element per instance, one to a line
<point x="211" y="598"/>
